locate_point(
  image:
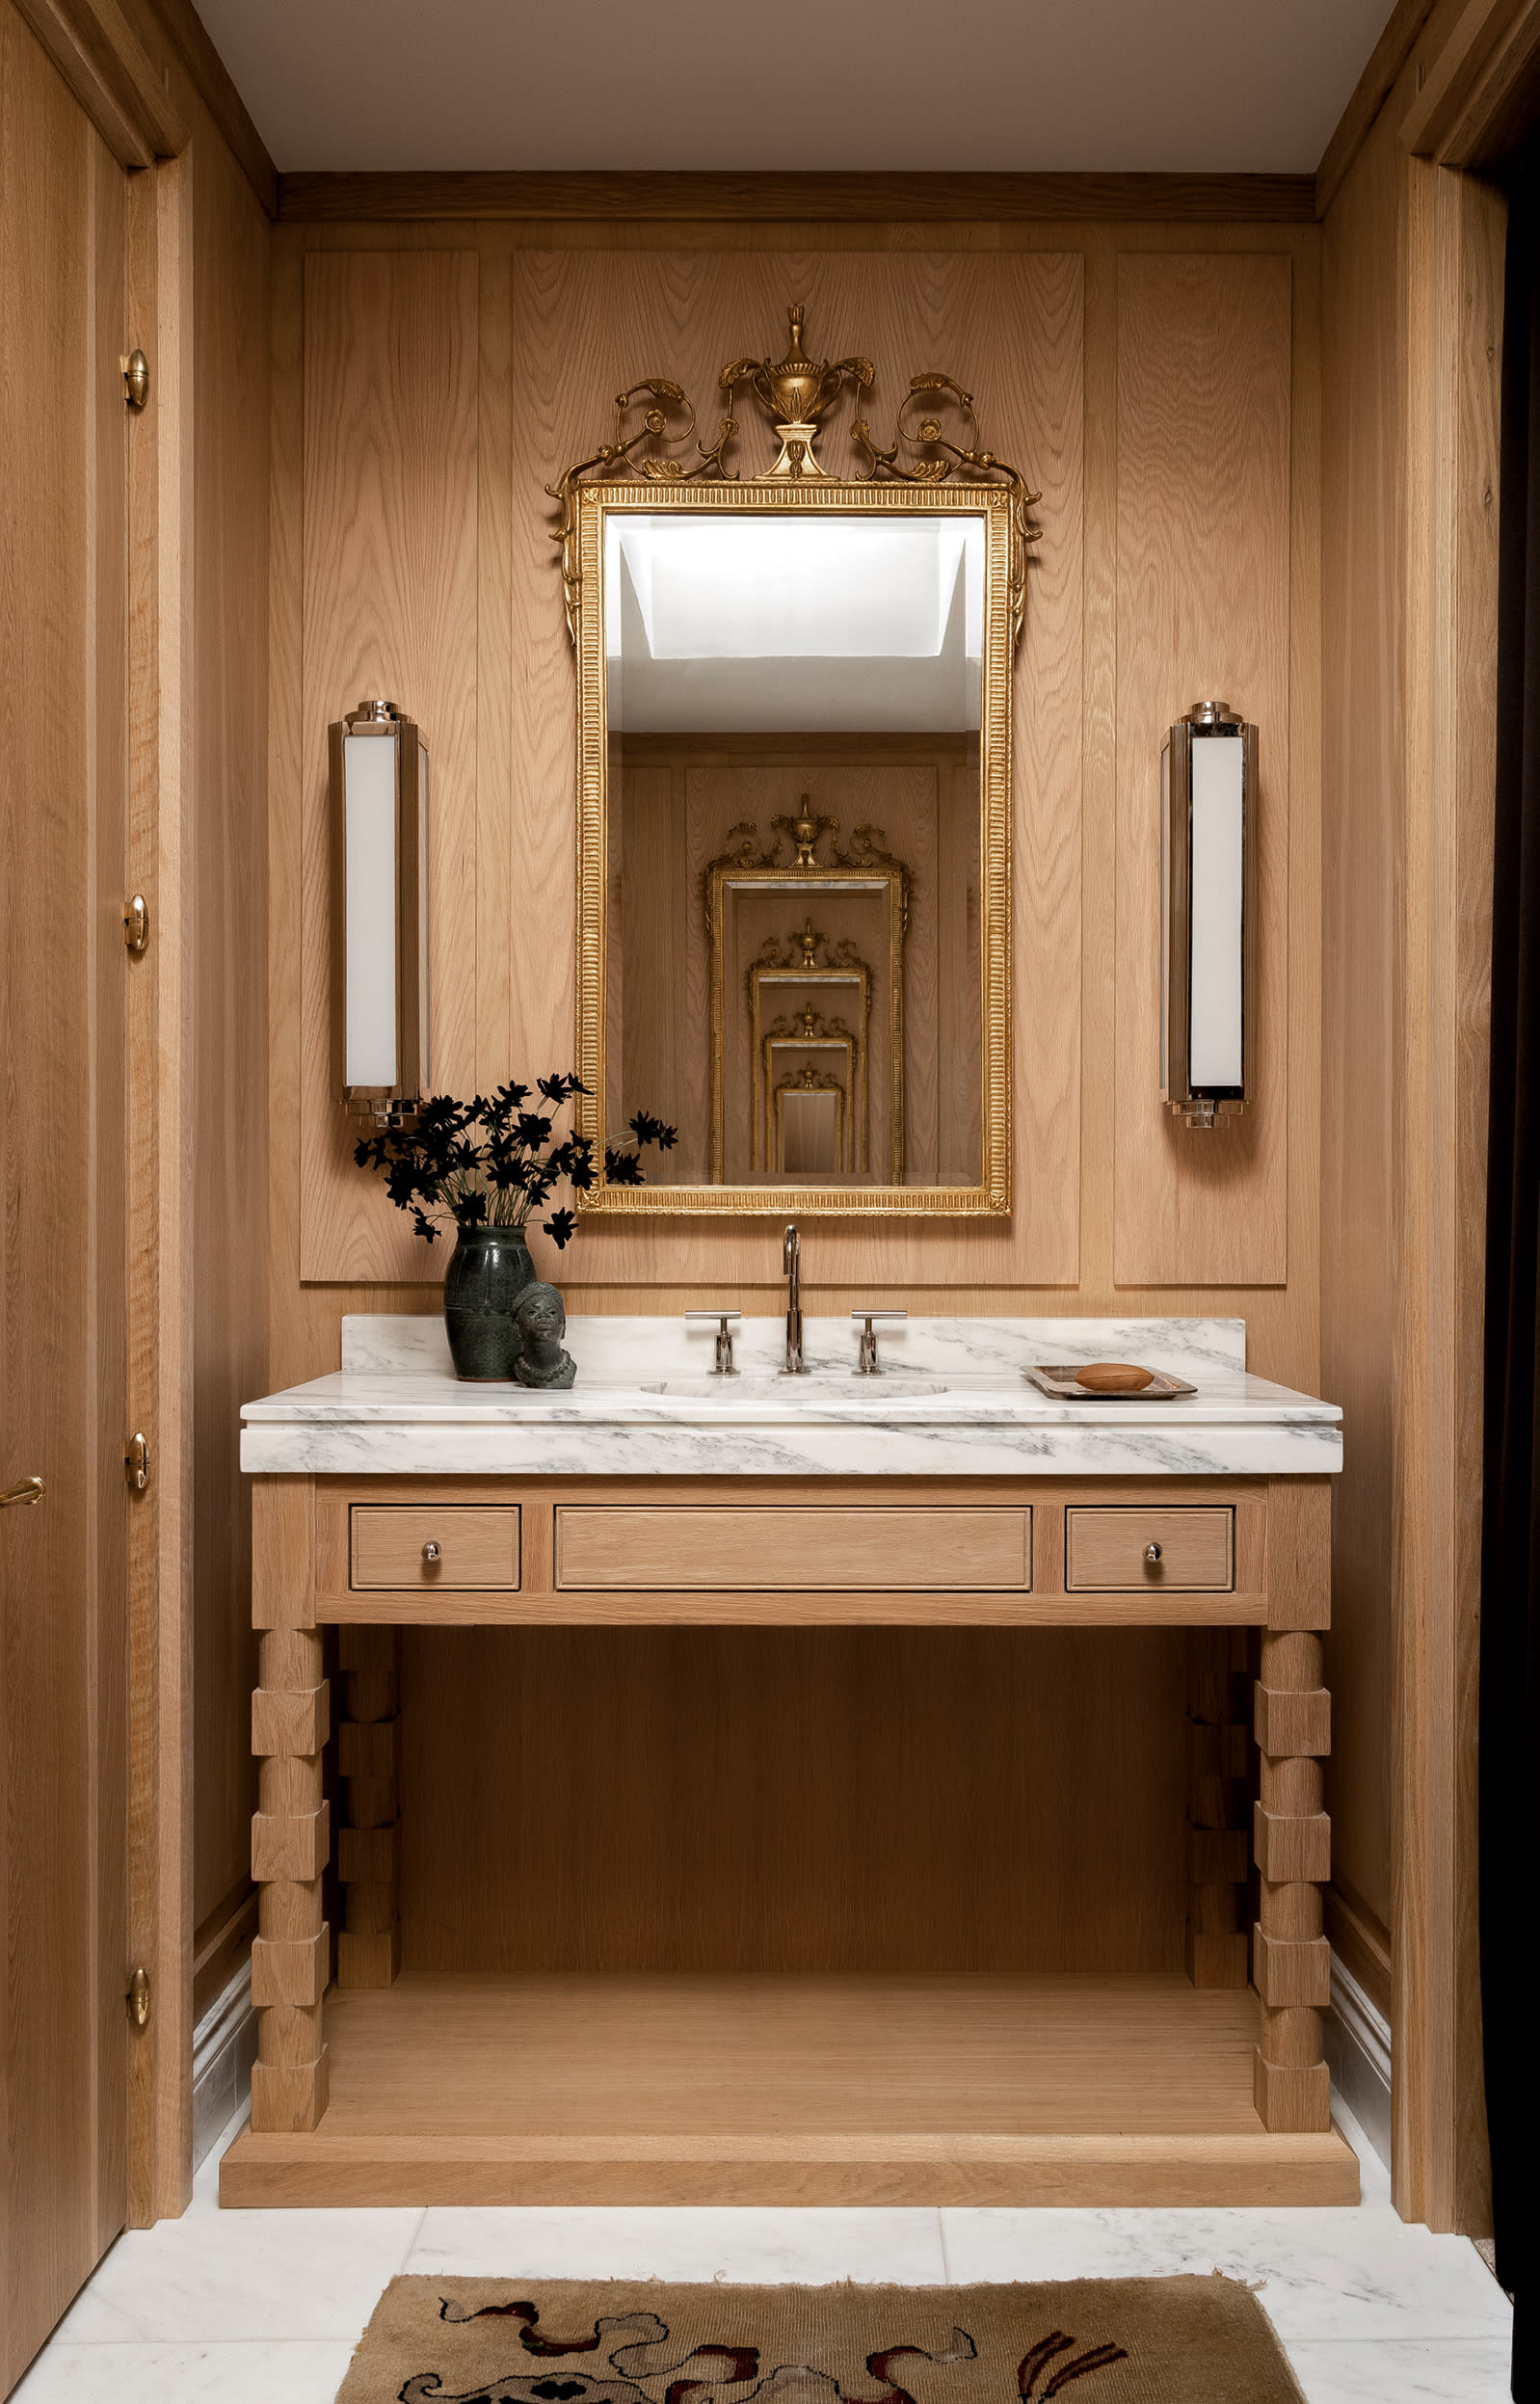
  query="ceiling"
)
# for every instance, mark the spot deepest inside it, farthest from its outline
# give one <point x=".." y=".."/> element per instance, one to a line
<point x="1199" y="86"/>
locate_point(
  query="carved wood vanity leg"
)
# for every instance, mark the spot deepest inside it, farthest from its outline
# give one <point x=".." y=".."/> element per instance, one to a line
<point x="1292" y="1958"/>
<point x="369" y="1947"/>
<point x="290" y="1832"/>
<point x="1216" y="1835"/>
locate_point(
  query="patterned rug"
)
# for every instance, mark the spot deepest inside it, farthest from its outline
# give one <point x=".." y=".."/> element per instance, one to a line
<point x="645" y="2341"/>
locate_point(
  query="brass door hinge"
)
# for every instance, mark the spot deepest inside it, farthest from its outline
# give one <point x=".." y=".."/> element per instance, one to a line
<point x="136" y="379"/>
<point x="137" y="1999"/>
<point x="136" y="1462"/>
<point x="136" y="923"/>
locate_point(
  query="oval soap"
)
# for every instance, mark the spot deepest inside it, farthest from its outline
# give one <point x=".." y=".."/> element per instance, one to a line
<point x="1114" y="1377"/>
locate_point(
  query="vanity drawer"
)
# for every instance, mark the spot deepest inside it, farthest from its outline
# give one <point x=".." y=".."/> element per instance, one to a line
<point x="1105" y="1550"/>
<point x="476" y="1548"/>
<point x="788" y="1551"/>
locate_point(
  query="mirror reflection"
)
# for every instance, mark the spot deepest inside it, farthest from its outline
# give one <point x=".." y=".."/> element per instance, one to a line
<point x="792" y="904"/>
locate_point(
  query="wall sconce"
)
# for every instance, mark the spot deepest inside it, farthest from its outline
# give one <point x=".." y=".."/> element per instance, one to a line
<point x="379" y="911"/>
<point x="1209" y="914"/>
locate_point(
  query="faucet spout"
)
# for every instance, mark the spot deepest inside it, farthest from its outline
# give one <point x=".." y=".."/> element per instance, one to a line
<point x="792" y="1263"/>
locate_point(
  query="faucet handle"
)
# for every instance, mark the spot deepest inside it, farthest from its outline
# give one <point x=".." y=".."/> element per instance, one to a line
<point x="869" y="1365"/>
<point x="726" y="1321"/>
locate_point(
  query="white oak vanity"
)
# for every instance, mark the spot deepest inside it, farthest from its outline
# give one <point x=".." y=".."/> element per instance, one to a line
<point x="656" y="1496"/>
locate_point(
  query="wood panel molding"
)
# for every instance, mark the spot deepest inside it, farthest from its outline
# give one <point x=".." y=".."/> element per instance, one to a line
<point x="1371" y="92"/>
<point x="184" y="30"/>
<point x="895" y="197"/>
<point x="1204" y="403"/>
<point x="1473" y="91"/>
<point x="112" y="75"/>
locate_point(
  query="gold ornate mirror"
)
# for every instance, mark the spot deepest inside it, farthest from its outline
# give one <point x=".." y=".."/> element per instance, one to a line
<point x="794" y="777"/>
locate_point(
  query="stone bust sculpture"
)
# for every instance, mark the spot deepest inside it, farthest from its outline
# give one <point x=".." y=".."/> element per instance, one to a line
<point x="540" y="1318"/>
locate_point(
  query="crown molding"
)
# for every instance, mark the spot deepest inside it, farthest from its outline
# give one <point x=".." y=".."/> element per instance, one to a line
<point x="112" y="75"/>
<point x="884" y="198"/>
<point x="186" y="37"/>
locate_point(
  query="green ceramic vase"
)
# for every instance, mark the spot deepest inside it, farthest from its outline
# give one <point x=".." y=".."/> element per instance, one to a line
<point x="488" y="1271"/>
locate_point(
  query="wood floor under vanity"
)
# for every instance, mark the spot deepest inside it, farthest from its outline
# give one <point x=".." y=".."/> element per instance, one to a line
<point x="833" y="2089"/>
<point x="738" y="1886"/>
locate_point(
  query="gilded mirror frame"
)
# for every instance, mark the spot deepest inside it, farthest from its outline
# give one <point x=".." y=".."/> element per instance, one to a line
<point x="935" y="467"/>
<point x="593" y="505"/>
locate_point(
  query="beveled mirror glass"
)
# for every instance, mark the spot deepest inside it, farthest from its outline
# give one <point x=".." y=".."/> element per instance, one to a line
<point x="794" y="762"/>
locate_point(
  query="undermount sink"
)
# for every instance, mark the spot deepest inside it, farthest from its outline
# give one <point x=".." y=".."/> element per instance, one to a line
<point x="841" y="1385"/>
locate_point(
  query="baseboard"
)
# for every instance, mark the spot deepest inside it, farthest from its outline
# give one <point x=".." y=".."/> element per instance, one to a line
<point x="224" y="2049"/>
<point x="1357" y="2038"/>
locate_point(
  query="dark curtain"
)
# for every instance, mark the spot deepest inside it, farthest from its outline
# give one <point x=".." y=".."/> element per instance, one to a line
<point x="1511" y="1552"/>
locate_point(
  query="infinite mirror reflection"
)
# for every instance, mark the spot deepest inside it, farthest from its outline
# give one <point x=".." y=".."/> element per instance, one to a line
<point x="794" y="922"/>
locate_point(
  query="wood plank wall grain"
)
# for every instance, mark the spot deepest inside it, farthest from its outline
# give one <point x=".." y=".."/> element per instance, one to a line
<point x="429" y="381"/>
<point x="473" y="361"/>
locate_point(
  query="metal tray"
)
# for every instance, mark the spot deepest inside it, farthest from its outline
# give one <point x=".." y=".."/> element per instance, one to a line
<point x="1061" y="1379"/>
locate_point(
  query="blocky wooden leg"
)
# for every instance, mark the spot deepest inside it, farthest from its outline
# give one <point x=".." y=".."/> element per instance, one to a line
<point x="1216" y="1834"/>
<point x="290" y="1836"/>
<point x="369" y="1947"/>
<point x="289" y="1842"/>
<point x="1292" y="1958"/>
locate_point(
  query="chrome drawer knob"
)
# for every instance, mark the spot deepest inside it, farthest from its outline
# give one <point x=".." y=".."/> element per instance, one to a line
<point x="1151" y="1554"/>
<point x="430" y="1551"/>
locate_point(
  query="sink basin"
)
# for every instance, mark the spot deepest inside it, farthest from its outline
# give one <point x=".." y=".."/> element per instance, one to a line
<point x="817" y="1386"/>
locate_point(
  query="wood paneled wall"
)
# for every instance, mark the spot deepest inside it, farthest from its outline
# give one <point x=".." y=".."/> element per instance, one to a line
<point x="1412" y="274"/>
<point x="1160" y="382"/>
<point x="232" y="309"/>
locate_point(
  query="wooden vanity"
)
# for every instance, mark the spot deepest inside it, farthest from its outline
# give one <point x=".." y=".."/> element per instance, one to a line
<point x="773" y="2084"/>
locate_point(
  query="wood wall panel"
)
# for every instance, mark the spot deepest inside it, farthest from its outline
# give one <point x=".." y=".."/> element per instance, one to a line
<point x="618" y="1800"/>
<point x="391" y="373"/>
<point x="231" y="369"/>
<point x="1364" y="332"/>
<point x="63" y="645"/>
<point x="572" y="323"/>
<point x="560" y="309"/>
<point x="1205" y="354"/>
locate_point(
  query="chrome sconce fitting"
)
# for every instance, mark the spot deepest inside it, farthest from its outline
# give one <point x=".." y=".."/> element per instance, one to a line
<point x="379" y="773"/>
<point x="1209" y="914"/>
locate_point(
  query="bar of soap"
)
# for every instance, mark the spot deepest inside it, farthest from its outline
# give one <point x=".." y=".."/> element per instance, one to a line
<point x="1114" y="1377"/>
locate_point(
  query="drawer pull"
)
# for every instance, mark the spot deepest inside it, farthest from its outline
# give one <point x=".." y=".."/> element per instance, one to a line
<point x="430" y="1551"/>
<point x="1151" y="1554"/>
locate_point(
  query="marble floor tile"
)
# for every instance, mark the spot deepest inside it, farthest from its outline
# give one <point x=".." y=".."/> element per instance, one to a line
<point x="219" y="2276"/>
<point x="297" y="2372"/>
<point x="773" y="2244"/>
<point x="1443" y="2371"/>
<point x="1353" y="2273"/>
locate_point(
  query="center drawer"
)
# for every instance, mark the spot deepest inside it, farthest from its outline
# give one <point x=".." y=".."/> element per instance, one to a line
<point x="1115" y="1549"/>
<point x="780" y="1551"/>
<point x="452" y="1546"/>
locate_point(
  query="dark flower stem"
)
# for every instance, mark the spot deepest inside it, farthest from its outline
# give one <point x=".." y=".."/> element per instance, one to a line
<point x="493" y="1161"/>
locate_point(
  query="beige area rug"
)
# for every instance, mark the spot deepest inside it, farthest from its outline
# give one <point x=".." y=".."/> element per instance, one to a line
<point x="646" y="2341"/>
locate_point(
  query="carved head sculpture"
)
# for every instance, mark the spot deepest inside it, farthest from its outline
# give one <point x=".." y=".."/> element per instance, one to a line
<point x="540" y="1316"/>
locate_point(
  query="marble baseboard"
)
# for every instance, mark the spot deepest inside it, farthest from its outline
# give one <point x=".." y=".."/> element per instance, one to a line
<point x="1357" y="2043"/>
<point x="224" y="2049"/>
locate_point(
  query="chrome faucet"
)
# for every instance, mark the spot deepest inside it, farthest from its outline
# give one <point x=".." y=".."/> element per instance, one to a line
<point x="792" y="1263"/>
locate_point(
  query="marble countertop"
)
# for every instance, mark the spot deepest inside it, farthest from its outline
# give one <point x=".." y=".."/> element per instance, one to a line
<point x="953" y="1403"/>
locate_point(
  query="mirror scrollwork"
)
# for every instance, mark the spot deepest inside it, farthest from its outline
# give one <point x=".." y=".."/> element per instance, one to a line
<point x="823" y="1014"/>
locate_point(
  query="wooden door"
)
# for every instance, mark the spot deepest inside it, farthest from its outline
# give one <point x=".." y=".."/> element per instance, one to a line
<point x="64" y="2029"/>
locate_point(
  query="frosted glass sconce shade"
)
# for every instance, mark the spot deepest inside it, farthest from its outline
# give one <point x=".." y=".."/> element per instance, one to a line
<point x="379" y="910"/>
<point x="1209" y="913"/>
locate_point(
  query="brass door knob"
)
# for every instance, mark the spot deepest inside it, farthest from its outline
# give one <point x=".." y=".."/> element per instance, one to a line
<point x="30" y="1490"/>
<point x="1151" y="1554"/>
<point x="430" y="1551"/>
